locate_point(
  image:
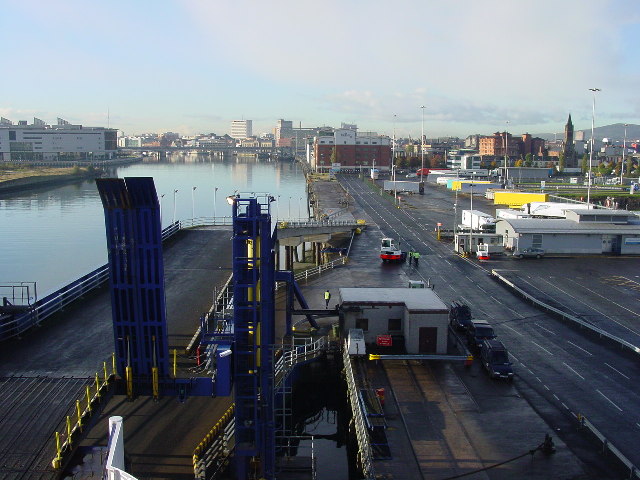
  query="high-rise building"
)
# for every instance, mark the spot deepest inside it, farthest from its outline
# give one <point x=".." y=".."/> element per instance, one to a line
<point x="283" y="133"/>
<point x="568" y="148"/>
<point x="241" y="129"/>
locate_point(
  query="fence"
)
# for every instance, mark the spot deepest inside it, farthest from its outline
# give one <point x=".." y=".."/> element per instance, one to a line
<point x="65" y="441"/>
<point x="362" y="434"/>
<point x="213" y="451"/>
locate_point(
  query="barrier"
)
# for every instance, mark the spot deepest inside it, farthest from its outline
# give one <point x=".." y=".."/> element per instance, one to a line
<point x="91" y="400"/>
<point x="114" y="466"/>
<point x="214" y="449"/>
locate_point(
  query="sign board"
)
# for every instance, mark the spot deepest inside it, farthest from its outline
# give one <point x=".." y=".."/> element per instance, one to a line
<point x="439" y="224"/>
<point x="542" y="184"/>
<point x="384" y="341"/>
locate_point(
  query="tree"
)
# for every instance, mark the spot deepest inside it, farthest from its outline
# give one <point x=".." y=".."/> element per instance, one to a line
<point x="402" y="162"/>
<point x="414" y="162"/>
<point x="561" y="162"/>
<point x="585" y="163"/>
<point x="493" y="164"/>
<point x="334" y="156"/>
<point x="629" y="165"/>
<point x="528" y="160"/>
<point x="518" y="163"/>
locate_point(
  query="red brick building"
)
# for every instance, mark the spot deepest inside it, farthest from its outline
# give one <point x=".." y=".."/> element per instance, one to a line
<point x="352" y="151"/>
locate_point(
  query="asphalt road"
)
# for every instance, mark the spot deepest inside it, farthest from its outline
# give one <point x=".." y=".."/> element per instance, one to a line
<point x="572" y="372"/>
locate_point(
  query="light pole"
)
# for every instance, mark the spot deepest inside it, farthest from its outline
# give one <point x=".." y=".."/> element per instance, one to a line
<point x="395" y="188"/>
<point x="593" y="121"/>
<point x="299" y="207"/>
<point x="422" y="145"/>
<point x="455" y="216"/>
<point x="193" y="203"/>
<point x="174" y="205"/>
<point x="215" y="213"/>
<point x="624" y="152"/>
<point x="161" y="197"/>
<point x="471" y="216"/>
<point x="393" y="144"/>
<point x="506" y="154"/>
<point x="278" y="208"/>
<point x="289" y="209"/>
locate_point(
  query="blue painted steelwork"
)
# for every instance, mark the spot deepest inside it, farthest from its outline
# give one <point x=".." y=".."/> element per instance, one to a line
<point x="254" y="316"/>
<point x="132" y="219"/>
<point x="293" y="290"/>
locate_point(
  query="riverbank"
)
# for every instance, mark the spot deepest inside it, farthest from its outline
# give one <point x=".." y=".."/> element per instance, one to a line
<point x="30" y="178"/>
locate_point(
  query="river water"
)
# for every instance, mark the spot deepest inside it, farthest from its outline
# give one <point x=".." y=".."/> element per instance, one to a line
<point x="53" y="236"/>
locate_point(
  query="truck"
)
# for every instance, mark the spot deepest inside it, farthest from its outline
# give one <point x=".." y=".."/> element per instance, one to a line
<point x="478" y="221"/>
<point x="401" y="186"/>
<point x="390" y="252"/>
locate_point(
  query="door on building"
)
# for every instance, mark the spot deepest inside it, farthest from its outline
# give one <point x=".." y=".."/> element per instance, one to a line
<point x="608" y="243"/>
<point x="428" y="340"/>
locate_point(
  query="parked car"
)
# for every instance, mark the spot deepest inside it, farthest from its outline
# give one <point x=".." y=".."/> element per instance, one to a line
<point x="459" y="315"/>
<point x="495" y="359"/>
<point x="478" y="331"/>
<point x="529" y="253"/>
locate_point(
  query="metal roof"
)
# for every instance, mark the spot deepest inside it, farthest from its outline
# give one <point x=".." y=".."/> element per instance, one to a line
<point x="415" y="299"/>
<point x="562" y="225"/>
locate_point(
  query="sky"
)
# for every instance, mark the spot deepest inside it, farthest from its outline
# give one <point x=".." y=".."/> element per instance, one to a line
<point x="192" y="66"/>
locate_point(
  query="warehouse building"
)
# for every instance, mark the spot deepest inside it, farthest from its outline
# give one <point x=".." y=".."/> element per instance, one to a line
<point x="583" y="231"/>
<point x="415" y="316"/>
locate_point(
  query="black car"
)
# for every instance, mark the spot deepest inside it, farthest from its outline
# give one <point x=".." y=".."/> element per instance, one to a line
<point x="495" y="359"/>
<point x="459" y="315"/>
<point x="478" y="331"/>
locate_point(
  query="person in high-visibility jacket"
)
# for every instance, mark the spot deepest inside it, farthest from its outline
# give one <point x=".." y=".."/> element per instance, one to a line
<point x="327" y="297"/>
<point x="416" y="257"/>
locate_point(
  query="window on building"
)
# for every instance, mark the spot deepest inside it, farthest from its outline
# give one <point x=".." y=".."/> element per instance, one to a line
<point x="362" y="323"/>
<point x="395" y="324"/>
<point x="536" y="240"/>
<point x="12" y="134"/>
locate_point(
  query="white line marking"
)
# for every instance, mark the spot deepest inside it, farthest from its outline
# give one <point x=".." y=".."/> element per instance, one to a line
<point x="616" y="370"/>
<point x="580" y="348"/>
<point x="512" y="329"/>
<point x="556" y="397"/>
<point x="564" y="405"/>
<point x="573" y="370"/>
<point x="608" y="399"/>
<point x="514" y="357"/>
<point x="545" y="329"/>
<point x="546" y="387"/>
<point x="542" y="348"/>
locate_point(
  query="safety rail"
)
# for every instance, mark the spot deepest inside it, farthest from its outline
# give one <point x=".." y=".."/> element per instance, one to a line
<point x="91" y="399"/>
<point x="214" y="449"/>
<point x="58" y="300"/>
<point x="606" y="445"/>
<point x="318" y="223"/>
<point x="365" y="453"/>
<point x="602" y="333"/>
<point x="294" y="354"/>
<point x="114" y="465"/>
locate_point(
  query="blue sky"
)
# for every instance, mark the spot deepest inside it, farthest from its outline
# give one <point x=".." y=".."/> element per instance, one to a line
<point x="193" y="66"/>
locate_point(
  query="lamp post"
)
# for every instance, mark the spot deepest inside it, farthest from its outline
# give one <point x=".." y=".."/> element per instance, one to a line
<point x="593" y="120"/>
<point x="624" y="152"/>
<point x="215" y="213"/>
<point x="278" y="208"/>
<point x="393" y="144"/>
<point x="193" y="203"/>
<point x="161" y="197"/>
<point x="471" y="216"/>
<point x="174" y="205"/>
<point x="422" y="145"/>
<point x="395" y="188"/>
<point x="299" y="207"/>
<point x="289" y="209"/>
<point x="506" y="154"/>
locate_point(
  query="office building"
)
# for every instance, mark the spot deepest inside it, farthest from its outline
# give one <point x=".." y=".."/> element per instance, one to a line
<point x="241" y="129"/>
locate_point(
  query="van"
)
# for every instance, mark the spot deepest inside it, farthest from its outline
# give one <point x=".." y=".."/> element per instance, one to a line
<point x="478" y="331"/>
<point x="495" y="360"/>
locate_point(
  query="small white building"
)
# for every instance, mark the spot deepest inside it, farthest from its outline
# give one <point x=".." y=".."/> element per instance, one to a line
<point x="416" y="315"/>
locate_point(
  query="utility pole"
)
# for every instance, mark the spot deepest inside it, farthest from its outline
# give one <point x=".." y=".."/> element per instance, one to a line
<point x="593" y="120"/>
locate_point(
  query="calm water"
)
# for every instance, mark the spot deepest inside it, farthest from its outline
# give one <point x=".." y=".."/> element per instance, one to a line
<point x="56" y="235"/>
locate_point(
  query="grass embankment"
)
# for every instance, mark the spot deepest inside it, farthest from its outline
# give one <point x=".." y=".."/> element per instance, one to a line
<point x="14" y="172"/>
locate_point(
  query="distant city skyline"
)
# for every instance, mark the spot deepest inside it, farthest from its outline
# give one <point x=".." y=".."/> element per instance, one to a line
<point x="194" y="66"/>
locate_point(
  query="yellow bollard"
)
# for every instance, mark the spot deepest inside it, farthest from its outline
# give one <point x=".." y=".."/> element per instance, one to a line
<point x="79" y="413"/>
<point x="106" y="375"/>
<point x="155" y="386"/>
<point x="88" y="399"/>
<point x="129" y="375"/>
<point x="97" y="386"/>
<point x="113" y="363"/>
<point x="57" y="461"/>
<point x="175" y="361"/>
<point x="68" y="430"/>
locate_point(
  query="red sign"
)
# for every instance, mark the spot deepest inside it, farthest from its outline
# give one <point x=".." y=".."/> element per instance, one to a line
<point x="384" y="341"/>
<point x="439" y="224"/>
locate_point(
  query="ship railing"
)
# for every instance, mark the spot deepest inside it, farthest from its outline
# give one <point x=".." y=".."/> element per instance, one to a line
<point x="362" y="434"/>
<point x="211" y="456"/>
<point x="301" y="350"/>
<point x="114" y="466"/>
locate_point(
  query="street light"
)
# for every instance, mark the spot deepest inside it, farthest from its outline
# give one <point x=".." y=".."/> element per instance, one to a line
<point x="593" y="120"/>
<point x="278" y="208"/>
<point x="161" y="197"/>
<point x="215" y="213"/>
<point x="299" y="207"/>
<point x="174" y="205"/>
<point x="193" y="203"/>
<point x="506" y="154"/>
<point x="289" y="209"/>
<point x="422" y="145"/>
<point x="624" y="152"/>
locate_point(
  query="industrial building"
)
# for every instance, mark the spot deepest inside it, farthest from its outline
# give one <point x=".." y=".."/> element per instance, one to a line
<point x="64" y="141"/>
<point x="583" y="231"/>
<point x="348" y="150"/>
<point x="415" y="316"/>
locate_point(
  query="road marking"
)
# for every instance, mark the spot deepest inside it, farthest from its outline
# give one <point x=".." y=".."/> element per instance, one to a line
<point x="580" y="348"/>
<point x="512" y="329"/>
<point x="556" y="397"/>
<point x="616" y="370"/>
<point x="564" y="405"/>
<point x="546" y="387"/>
<point x="540" y="346"/>
<point x="538" y="378"/>
<point x="545" y="329"/>
<point x="514" y="357"/>
<point x="573" y="370"/>
<point x="608" y="399"/>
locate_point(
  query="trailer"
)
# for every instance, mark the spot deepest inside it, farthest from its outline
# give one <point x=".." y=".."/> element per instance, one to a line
<point x="477" y="220"/>
<point x="401" y="186"/>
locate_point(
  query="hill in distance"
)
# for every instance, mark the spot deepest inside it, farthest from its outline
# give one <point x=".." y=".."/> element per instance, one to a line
<point x="613" y="132"/>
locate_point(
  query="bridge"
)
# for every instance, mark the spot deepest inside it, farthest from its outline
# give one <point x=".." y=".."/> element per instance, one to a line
<point x="280" y="152"/>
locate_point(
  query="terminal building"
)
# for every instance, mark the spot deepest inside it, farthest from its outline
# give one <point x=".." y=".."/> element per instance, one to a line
<point x="64" y="141"/>
<point x="413" y="317"/>
<point x="345" y="149"/>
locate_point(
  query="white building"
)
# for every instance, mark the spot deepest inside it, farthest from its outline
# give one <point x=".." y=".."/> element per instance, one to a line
<point x="42" y="142"/>
<point x="241" y="129"/>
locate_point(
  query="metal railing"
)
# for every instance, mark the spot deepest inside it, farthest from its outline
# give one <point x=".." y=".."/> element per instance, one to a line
<point x="602" y="333"/>
<point x="58" y="300"/>
<point x="318" y="223"/>
<point x="364" y="445"/>
<point x="114" y="466"/>
<point x="212" y="453"/>
<point x="307" y="349"/>
<point x="606" y="445"/>
<point x="65" y="441"/>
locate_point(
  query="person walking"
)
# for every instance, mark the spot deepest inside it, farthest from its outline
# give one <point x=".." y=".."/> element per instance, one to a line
<point x="416" y="257"/>
<point x="327" y="297"/>
<point x="411" y="253"/>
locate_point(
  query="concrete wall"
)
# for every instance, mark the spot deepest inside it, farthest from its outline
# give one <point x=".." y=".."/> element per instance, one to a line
<point x="412" y="330"/>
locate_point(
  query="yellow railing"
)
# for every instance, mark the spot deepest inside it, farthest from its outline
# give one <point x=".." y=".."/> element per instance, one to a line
<point x="209" y="438"/>
<point x="84" y="407"/>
